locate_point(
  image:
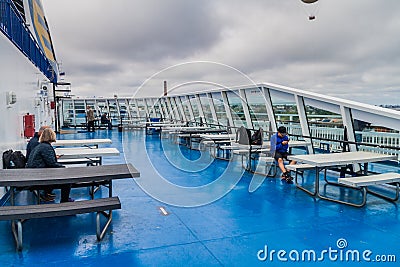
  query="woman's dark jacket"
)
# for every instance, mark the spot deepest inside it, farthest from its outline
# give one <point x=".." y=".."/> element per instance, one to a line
<point x="43" y="156"/>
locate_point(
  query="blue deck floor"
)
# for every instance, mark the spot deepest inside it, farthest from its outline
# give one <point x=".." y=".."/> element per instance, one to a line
<point x="229" y="231"/>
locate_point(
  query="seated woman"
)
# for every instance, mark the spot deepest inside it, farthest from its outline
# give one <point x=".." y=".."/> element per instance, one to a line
<point x="44" y="156"/>
<point x="105" y="120"/>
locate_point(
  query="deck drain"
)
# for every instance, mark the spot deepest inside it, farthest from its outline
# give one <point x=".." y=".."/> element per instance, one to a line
<point x="163" y="211"/>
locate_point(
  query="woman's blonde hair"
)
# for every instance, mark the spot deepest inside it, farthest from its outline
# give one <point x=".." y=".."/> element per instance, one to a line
<point x="48" y="135"/>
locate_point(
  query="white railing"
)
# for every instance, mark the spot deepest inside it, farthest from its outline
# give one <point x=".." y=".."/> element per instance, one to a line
<point x="381" y="139"/>
<point x="372" y="138"/>
<point x="320" y="132"/>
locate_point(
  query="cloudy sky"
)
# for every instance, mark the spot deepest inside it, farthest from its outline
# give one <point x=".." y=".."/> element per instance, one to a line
<point x="351" y="50"/>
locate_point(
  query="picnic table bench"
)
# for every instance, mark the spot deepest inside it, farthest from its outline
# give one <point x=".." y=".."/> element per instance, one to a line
<point x="86" y="161"/>
<point x="363" y="182"/>
<point x="26" y="178"/>
<point x="17" y="214"/>
<point x="299" y="169"/>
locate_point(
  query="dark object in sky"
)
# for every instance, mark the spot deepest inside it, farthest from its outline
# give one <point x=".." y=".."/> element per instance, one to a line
<point x="309" y="1"/>
<point x="311" y="9"/>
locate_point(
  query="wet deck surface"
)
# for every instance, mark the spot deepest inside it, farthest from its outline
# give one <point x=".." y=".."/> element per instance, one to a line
<point x="229" y="231"/>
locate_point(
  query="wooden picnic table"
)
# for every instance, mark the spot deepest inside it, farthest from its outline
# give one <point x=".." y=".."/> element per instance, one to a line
<point x="47" y="176"/>
<point x="28" y="178"/>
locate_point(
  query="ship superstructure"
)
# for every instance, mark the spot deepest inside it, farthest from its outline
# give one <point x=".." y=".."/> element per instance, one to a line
<point x="28" y="71"/>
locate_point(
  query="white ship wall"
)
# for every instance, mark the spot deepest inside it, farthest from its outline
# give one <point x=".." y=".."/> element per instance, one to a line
<point x="20" y="76"/>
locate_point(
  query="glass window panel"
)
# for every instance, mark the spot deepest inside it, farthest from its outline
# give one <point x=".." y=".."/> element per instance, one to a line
<point x="122" y="108"/>
<point x="257" y="106"/>
<point x="113" y="109"/>
<point x="220" y="108"/>
<point x="141" y="109"/>
<point x="133" y="109"/>
<point x="101" y="106"/>
<point x="174" y="106"/>
<point x="205" y="104"/>
<point x="164" y="103"/>
<point x="179" y="108"/>
<point x="185" y="107"/>
<point x="68" y="113"/>
<point x="286" y="114"/>
<point x="80" y="112"/>
<point x="384" y="140"/>
<point x="235" y="104"/>
<point x="195" y="108"/>
<point x="155" y="108"/>
<point x="325" y="124"/>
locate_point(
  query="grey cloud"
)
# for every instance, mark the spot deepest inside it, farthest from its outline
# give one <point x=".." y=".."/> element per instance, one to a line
<point x="351" y="44"/>
<point x="144" y="30"/>
<point x="95" y="68"/>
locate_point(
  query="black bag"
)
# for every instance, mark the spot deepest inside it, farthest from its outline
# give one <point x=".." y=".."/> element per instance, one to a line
<point x="244" y="137"/>
<point x="256" y="138"/>
<point x="6" y="158"/>
<point x="18" y="159"/>
<point x="13" y="160"/>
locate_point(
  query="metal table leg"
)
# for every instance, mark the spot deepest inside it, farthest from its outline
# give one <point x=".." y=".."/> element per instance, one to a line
<point x="395" y="198"/>
<point x="316" y="185"/>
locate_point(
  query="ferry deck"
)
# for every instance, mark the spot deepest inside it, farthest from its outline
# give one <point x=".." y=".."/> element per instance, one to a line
<point x="239" y="229"/>
<point x="276" y="225"/>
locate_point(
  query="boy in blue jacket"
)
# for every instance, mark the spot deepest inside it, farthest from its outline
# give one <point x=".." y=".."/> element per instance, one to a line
<point x="281" y="152"/>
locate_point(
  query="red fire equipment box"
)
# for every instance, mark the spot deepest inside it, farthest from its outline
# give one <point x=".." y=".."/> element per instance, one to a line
<point x="29" y="125"/>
